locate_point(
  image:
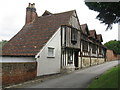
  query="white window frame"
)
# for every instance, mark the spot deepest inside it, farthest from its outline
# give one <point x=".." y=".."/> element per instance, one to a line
<point x="52" y="53"/>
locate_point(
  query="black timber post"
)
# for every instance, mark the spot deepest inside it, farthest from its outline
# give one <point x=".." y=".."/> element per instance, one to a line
<point x="90" y="53"/>
<point x="61" y="45"/>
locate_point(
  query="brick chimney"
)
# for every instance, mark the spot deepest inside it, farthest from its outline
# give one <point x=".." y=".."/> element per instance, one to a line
<point x="31" y="14"/>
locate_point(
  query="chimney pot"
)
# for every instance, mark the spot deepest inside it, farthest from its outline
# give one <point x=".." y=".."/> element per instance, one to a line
<point x="33" y="5"/>
<point x="29" y="5"/>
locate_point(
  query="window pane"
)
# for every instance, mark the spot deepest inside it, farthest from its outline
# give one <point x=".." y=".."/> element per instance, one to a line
<point x="50" y="52"/>
<point x="85" y="46"/>
<point x="73" y="35"/>
<point x="93" y="48"/>
<point x="70" y="56"/>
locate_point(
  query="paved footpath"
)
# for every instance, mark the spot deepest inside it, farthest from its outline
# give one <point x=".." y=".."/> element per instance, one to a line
<point x="77" y="79"/>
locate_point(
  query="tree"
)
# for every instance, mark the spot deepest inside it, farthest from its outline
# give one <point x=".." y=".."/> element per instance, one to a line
<point x="2" y="43"/>
<point x="109" y="12"/>
<point x="113" y="45"/>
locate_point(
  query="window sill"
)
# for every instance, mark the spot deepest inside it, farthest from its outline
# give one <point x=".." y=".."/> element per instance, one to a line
<point x="50" y="57"/>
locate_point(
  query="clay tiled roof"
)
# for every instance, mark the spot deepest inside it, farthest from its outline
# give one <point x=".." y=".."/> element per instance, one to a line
<point x="99" y="37"/>
<point x="84" y="28"/>
<point x="32" y="37"/>
<point x="92" y="34"/>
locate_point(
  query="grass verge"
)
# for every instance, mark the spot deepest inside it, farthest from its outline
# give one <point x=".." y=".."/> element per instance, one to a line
<point x="109" y="79"/>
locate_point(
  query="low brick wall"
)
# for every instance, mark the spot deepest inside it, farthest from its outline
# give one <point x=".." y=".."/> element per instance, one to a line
<point x="118" y="57"/>
<point x="18" y="72"/>
<point x="110" y="55"/>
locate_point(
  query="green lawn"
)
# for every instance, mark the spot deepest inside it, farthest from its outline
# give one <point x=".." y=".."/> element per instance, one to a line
<point x="109" y="79"/>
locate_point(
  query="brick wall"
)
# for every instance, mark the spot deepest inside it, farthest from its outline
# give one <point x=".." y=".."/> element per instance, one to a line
<point x="118" y="56"/>
<point x="110" y="55"/>
<point x="18" y="72"/>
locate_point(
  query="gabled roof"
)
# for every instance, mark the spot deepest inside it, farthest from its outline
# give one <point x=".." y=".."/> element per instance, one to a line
<point x="46" y="13"/>
<point x="93" y="34"/>
<point x="85" y="29"/>
<point x="99" y="37"/>
<point x="32" y="37"/>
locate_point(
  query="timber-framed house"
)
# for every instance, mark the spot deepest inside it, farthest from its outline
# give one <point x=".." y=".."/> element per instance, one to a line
<point x="57" y="42"/>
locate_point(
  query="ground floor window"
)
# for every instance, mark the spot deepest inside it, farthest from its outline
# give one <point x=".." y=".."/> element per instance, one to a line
<point x="70" y="56"/>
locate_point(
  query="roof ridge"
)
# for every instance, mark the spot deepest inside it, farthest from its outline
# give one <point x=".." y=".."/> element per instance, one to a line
<point x="92" y="30"/>
<point x="57" y="13"/>
<point x="98" y="34"/>
<point x="83" y="24"/>
<point x="65" y="12"/>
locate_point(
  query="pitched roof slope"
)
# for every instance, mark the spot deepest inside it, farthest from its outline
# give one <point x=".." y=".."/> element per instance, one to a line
<point x="92" y="34"/>
<point x="99" y="37"/>
<point x="84" y="28"/>
<point x="32" y="37"/>
<point x="46" y="13"/>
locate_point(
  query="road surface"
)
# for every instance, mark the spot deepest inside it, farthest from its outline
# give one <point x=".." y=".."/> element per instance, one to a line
<point x="77" y="79"/>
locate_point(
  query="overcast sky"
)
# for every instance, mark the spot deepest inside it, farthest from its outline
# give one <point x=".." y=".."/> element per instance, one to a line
<point x="12" y="16"/>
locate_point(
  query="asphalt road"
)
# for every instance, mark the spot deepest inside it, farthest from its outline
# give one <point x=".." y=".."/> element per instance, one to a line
<point x="77" y="79"/>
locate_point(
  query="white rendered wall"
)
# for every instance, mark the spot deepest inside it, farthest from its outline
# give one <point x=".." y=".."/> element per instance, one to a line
<point x="47" y="65"/>
<point x="74" y="21"/>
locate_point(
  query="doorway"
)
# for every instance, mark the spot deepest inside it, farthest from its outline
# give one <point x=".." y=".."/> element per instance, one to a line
<point x="76" y="58"/>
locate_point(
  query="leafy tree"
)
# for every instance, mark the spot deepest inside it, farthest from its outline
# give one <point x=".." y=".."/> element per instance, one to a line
<point x="109" y="12"/>
<point x="113" y="45"/>
<point x="2" y="43"/>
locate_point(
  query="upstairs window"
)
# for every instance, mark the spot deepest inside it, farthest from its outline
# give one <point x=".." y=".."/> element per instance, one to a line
<point x="100" y="50"/>
<point x="73" y="36"/>
<point x="94" y="48"/>
<point x="85" y="46"/>
<point x="51" y="52"/>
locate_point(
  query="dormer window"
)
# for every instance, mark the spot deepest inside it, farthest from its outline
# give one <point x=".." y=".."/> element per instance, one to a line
<point x="73" y="35"/>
